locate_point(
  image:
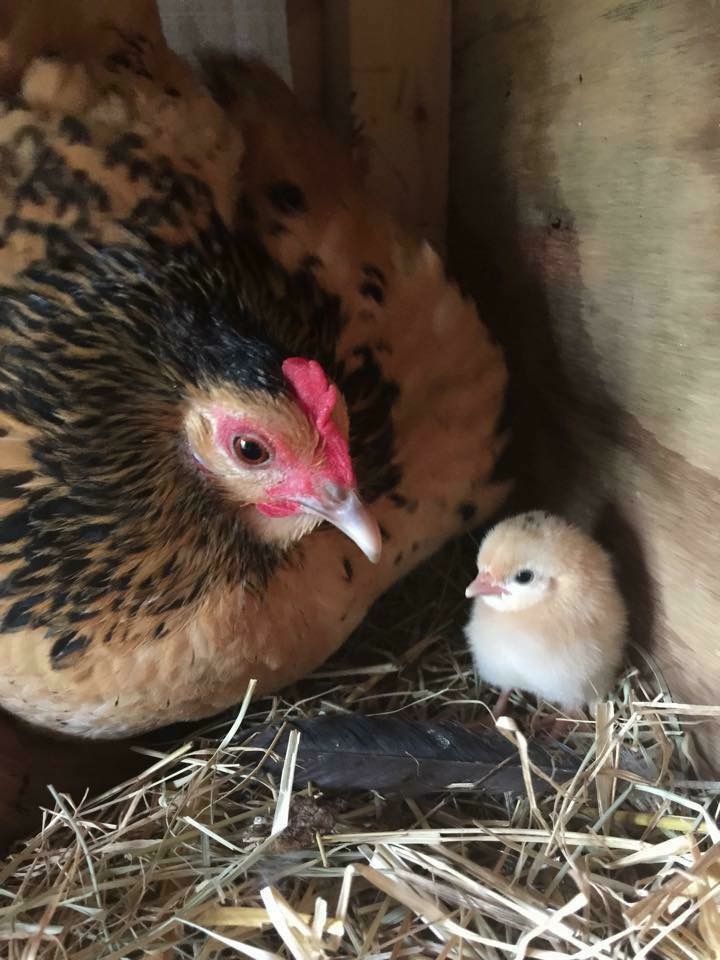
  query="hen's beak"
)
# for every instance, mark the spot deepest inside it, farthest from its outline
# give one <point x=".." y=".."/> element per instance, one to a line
<point x="484" y="586"/>
<point x="344" y="510"/>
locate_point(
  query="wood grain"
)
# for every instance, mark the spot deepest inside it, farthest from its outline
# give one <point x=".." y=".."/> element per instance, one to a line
<point x="585" y="167"/>
<point x="387" y="84"/>
<point x="305" y="31"/>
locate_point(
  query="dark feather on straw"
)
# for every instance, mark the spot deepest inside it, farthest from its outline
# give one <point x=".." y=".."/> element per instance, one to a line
<point x="409" y="757"/>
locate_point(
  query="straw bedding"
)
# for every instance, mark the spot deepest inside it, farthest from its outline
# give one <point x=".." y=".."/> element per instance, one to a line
<point x="206" y="855"/>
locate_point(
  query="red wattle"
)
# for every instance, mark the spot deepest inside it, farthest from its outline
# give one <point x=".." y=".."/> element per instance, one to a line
<point x="282" y="508"/>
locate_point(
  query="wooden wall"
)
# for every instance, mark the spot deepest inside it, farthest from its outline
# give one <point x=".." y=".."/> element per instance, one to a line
<point x="585" y="218"/>
<point x="379" y="73"/>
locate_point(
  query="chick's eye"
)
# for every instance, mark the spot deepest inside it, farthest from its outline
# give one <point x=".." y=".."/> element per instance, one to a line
<point x="251" y="451"/>
<point x="524" y="576"/>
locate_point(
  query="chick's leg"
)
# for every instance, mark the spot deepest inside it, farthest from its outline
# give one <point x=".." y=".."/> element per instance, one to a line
<point x="557" y="727"/>
<point x="500" y="709"/>
<point x="501" y="705"/>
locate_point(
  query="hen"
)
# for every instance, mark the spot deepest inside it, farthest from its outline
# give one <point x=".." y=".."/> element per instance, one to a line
<point x="196" y="295"/>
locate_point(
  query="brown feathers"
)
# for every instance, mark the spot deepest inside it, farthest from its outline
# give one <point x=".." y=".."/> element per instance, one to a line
<point x="138" y="219"/>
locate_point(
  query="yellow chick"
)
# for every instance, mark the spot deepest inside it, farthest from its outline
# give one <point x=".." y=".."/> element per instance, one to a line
<point x="548" y="617"/>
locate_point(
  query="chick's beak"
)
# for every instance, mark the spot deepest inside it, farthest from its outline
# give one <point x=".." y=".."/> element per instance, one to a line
<point x="344" y="510"/>
<point x="484" y="586"/>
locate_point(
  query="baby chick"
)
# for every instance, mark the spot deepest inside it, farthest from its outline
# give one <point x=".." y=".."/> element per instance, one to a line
<point x="548" y="617"/>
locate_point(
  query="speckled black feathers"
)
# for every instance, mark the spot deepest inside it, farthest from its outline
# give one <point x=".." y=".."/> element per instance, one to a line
<point x="127" y="284"/>
<point x="99" y="346"/>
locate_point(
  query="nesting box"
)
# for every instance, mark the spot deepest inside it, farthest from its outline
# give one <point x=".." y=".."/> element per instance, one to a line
<point x="564" y="160"/>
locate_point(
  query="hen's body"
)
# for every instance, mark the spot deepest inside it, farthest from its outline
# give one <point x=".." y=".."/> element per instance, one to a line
<point x="130" y="594"/>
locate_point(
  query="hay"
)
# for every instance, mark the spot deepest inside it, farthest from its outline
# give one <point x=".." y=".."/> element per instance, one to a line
<point x="205" y="855"/>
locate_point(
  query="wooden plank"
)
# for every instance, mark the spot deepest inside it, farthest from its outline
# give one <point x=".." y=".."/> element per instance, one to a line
<point x="387" y="84"/>
<point x="305" y="21"/>
<point x="584" y="211"/>
<point x="246" y="27"/>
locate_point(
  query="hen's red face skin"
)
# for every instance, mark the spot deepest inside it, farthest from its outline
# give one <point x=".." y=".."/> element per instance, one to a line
<point x="333" y="472"/>
<point x="288" y="456"/>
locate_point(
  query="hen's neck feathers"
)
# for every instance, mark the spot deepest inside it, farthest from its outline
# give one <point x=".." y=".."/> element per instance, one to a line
<point x="99" y="348"/>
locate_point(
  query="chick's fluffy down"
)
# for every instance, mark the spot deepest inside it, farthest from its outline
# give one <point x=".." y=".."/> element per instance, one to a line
<point x="561" y="634"/>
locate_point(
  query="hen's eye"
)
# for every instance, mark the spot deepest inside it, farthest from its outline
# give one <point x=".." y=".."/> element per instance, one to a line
<point x="524" y="576"/>
<point x="250" y="450"/>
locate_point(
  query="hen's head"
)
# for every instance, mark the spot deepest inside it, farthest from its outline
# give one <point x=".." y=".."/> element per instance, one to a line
<point x="170" y="401"/>
<point x="539" y="560"/>
<point x="282" y="456"/>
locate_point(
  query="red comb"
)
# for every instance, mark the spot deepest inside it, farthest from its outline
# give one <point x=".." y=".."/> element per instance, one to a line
<point x="317" y="396"/>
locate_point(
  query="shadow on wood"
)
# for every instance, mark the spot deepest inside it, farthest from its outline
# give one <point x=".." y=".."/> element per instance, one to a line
<point x="30" y="760"/>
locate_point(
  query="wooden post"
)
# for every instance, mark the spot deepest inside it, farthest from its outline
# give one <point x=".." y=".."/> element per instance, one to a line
<point x="305" y="30"/>
<point x="386" y="90"/>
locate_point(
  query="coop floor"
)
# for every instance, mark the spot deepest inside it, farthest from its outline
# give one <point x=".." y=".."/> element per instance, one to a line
<point x="205" y="856"/>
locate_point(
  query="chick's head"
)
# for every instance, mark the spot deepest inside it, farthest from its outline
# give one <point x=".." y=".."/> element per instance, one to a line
<point x="538" y="559"/>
